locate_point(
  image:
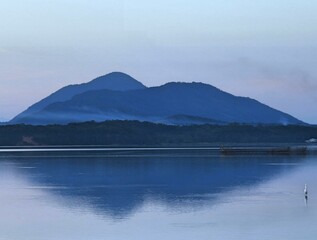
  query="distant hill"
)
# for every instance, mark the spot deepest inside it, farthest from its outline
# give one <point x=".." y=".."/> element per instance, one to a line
<point x="113" y="81"/>
<point x="120" y="97"/>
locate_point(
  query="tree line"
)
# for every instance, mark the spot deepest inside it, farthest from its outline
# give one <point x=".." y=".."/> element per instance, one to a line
<point x="135" y="133"/>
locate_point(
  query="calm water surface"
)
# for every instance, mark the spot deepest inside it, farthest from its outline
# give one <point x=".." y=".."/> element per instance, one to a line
<point x="157" y="196"/>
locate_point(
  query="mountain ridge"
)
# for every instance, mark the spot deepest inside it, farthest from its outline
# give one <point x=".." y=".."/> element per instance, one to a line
<point x="115" y="80"/>
<point x="196" y="102"/>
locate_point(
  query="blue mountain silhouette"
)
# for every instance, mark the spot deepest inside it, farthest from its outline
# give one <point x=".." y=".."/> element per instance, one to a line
<point x="119" y="96"/>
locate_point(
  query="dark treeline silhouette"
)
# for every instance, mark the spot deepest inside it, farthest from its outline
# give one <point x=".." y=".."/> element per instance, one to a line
<point x="135" y="133"/>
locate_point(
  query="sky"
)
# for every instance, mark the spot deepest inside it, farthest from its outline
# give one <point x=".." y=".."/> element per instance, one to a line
<point x="262" y="49"/>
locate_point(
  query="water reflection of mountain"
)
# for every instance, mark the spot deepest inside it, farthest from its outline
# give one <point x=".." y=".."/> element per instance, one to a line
<point x="117" y="186"/>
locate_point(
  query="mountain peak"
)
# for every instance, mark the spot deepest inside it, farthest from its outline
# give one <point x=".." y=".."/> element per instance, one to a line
<point x="117" y="81"/>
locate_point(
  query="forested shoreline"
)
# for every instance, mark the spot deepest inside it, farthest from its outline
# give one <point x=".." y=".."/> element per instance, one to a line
<point x="135" y="133"/>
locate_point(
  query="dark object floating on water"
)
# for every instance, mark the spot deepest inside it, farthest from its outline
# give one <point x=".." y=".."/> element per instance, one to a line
<point x="264" y="150"/>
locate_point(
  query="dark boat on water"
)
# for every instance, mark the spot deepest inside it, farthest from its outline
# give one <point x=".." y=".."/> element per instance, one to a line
<point x="263" y="150"/>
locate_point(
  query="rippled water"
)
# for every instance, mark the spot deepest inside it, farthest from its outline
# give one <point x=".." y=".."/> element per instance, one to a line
<point x="157" y="196"/>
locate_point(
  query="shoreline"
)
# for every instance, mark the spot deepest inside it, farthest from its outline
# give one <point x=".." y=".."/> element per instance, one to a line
<point x="277" y="149"/>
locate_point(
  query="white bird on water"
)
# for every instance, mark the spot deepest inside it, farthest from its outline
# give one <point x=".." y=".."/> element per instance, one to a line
<point x="305" y="190"/>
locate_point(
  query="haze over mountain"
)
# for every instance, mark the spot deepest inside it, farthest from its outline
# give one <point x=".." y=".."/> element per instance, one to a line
<point x="119" y="96"/>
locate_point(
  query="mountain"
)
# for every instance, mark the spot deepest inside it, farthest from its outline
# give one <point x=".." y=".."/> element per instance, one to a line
<point x="173" y="103"/>
<point x="116" y="81"/>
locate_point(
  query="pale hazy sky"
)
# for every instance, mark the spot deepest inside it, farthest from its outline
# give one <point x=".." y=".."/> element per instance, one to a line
<point x="263" y="49"/>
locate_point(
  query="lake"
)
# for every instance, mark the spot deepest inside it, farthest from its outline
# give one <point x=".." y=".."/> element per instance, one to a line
<point x="176" y="194"/>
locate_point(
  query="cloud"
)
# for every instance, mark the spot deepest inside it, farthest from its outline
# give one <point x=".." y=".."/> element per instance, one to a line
<point x="250" y="73"/>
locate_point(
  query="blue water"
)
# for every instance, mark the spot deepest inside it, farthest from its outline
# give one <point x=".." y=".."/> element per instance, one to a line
<point x="157" y="195"/>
